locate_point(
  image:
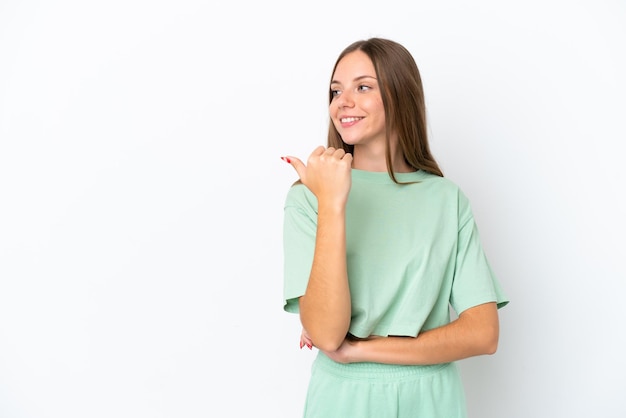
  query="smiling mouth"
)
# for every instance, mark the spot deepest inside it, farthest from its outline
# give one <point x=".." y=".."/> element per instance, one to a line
<point x="349" y="120"/>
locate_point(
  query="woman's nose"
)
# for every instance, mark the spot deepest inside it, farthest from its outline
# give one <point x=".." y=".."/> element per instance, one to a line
<point x="345" y="99"/>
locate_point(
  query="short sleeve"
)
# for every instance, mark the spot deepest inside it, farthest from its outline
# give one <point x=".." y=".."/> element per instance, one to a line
<point x="474" y="282"/>
<point x="299" y="231"/>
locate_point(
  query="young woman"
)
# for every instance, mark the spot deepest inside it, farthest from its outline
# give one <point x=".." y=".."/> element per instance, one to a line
<point x="377" y="246"/>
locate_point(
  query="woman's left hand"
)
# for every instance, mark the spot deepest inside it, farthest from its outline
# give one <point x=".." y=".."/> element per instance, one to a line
<point x="305" y="340"/>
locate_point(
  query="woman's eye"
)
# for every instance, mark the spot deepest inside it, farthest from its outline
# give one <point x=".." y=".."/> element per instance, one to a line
<point x="334" y="93"/>
<point x="364" y="88"/>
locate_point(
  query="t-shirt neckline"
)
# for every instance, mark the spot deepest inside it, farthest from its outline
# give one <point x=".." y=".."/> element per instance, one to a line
<point x="384" y="178"/>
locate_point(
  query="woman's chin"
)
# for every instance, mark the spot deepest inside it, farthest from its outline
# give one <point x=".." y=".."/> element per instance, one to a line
<point x="350" y="141"/>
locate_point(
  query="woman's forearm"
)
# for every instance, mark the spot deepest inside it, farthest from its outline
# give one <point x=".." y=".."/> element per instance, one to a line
<point x="474" y="333"/>
<point x="325" y="308"/>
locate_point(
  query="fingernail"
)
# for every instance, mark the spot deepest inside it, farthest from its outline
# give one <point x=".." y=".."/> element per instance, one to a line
<point x="285" y="159"/>
<point x="301" y="345"/>
<point x="310" y="346"/>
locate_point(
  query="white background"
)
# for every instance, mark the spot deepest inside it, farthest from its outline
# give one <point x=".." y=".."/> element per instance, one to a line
<point x="141" y="196"/>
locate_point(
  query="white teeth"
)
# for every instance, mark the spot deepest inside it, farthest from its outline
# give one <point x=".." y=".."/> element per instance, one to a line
<point x="348" y="120"/>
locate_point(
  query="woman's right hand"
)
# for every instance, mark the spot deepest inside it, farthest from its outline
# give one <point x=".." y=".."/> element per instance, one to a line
<point x="327" y="174"/>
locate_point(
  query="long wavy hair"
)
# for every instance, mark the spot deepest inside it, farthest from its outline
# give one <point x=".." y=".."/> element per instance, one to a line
<point x="403" y="99"/>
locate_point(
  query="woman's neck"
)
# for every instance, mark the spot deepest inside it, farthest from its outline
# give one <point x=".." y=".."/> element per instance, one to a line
<point x="364" y="158"/>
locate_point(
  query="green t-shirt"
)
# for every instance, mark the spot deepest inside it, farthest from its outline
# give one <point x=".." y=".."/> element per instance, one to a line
<point x="413" y="251"/>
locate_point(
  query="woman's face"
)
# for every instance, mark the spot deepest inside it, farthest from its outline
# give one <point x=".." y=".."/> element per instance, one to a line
<point x="356" y="108"/>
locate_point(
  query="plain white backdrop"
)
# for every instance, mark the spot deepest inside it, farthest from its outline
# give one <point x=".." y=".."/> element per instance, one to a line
<point x="141" y="196"/>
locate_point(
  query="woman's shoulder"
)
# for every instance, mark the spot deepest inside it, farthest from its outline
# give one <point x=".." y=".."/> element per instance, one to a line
<point x="446" y="190"/>
<point x="441" y="183"/>
<point x="300" y="196"/>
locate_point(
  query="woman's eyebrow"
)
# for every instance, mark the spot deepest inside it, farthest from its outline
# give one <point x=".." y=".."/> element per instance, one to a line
<point x="359" y="78"/>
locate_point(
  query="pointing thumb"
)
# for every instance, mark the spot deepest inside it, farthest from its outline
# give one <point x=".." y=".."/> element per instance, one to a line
<point x="296" y="164"/>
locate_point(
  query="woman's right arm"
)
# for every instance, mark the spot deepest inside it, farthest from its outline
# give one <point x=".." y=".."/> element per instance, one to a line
<point x="325" y="307"/>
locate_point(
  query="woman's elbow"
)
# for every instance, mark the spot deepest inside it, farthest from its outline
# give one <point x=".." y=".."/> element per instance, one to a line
<point x="324" y="337"/>
<point x="327" y="340"/>
<point x="328" y="345"/>
<point x="483" y="323"/>
<point x="491" y="347"/>
<point x="489" y="341"/>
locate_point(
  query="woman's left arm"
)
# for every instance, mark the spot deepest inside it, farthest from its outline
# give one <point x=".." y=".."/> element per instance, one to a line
<point x="475" y="332"/>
